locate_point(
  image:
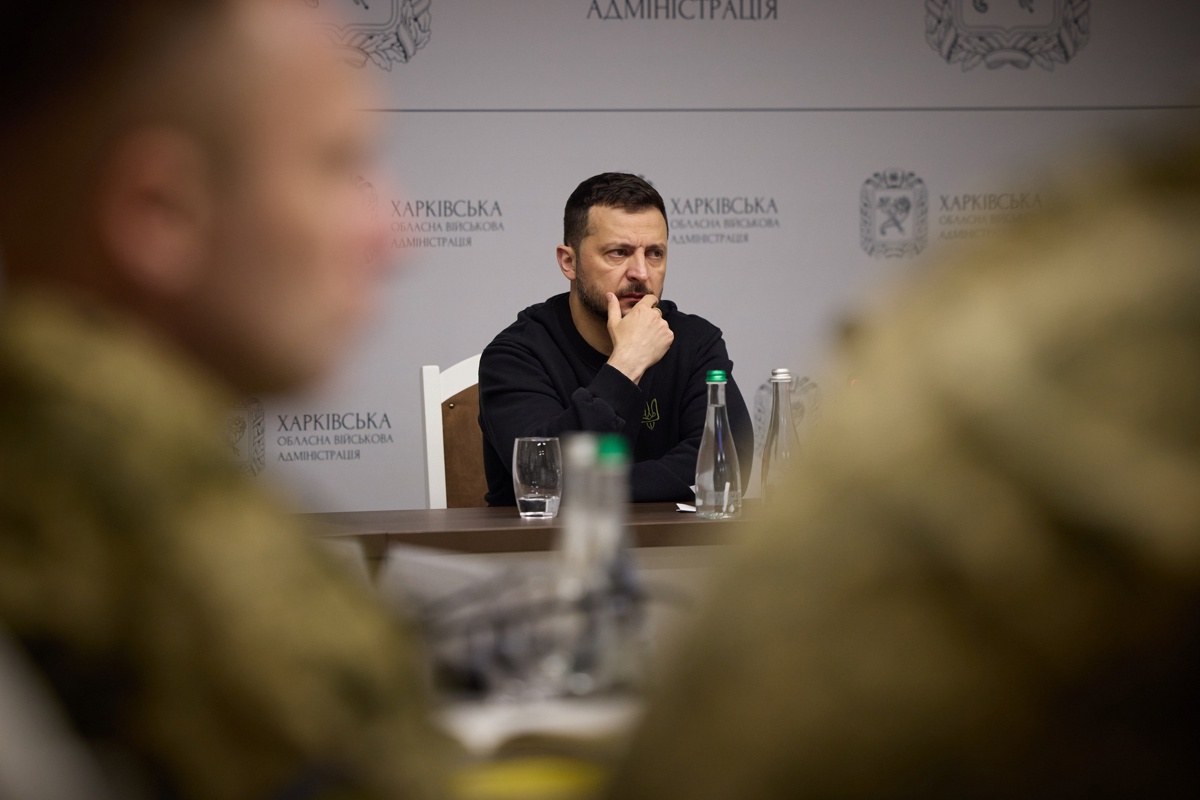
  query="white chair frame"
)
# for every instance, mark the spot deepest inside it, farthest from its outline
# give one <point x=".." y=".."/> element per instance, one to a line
<point x="438" y="386"/>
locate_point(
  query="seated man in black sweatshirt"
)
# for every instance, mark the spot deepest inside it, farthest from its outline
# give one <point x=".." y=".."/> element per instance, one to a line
<point x="609" y="355"/>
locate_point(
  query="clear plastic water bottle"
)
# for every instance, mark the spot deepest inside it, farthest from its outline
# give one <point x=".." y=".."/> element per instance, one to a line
<point x="595" y="644"/>
<point x="782" y="443"/>
<point x="608" y="656"/>
<point x="612" y="499"/>
<point x="596" y="478"/>
<point x="575" y="545"/>
<point x="718" y="479"/>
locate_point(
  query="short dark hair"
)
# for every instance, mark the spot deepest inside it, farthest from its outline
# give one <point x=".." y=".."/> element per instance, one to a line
<point x="610" y="190"/>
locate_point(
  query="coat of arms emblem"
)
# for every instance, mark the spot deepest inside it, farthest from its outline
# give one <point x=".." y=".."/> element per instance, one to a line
<point x="246" y="436"/>
<point x="1015" y="33"/>
<point x="384" y="32"/>
<point x="893" y="214"/>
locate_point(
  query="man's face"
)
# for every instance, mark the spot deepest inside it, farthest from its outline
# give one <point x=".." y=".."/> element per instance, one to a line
<point x="297" y="247"/>
<point x="624" y="253"/>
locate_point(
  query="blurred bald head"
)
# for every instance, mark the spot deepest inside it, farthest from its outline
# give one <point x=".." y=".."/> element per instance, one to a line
<point x="194" y="163"/>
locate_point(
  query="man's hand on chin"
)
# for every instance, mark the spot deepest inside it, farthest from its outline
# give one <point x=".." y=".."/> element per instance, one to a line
<point x="639" y="338"/>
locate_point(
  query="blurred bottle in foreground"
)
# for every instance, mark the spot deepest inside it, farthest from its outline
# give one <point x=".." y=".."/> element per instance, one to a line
<point x="718" y="479"/>
<point x="782" y="443"/>
<point x="596" y="644"/>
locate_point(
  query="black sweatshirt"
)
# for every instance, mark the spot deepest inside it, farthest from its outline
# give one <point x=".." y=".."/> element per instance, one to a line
<point x="539" y="377"/>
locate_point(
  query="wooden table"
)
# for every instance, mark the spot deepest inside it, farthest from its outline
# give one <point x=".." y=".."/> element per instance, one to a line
<point x="501" y="530"/>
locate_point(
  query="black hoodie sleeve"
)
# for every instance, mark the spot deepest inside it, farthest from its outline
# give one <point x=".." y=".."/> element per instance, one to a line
<point x="518" y="397"/>
<point x="529" y="385"/>
<point x="670" y="477"/>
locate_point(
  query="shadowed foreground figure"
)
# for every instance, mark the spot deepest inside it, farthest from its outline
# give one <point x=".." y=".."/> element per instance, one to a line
<point x="180" y="229"/>
<point x="987" y="580"/>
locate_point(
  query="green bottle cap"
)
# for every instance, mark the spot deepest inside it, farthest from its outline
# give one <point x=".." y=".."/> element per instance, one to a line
<point x="613" y="449"/>
<point x="717" y="376"/>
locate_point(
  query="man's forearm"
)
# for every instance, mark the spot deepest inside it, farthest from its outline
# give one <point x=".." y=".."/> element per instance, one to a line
<point x="525" y="405"/>
<point x="666" y="479"/>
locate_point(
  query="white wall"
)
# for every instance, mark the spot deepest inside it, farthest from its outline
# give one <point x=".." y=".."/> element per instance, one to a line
<point x="513" y="102"/>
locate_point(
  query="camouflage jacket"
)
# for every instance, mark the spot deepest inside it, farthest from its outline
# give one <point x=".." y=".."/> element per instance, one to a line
<point x="191" y="628"/>
<point x="984" y="581"/>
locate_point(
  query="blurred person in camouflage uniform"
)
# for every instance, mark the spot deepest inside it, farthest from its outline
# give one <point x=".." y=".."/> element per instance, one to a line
<point x="986" y="582"/>
<point x="180" y="228"/>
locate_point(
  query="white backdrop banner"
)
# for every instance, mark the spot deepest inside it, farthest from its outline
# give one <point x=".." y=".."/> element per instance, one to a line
<point x="810" y="153"/>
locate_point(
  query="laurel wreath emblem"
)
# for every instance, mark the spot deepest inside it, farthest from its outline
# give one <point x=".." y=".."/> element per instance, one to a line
<point x="408" y="33"/>
<point x="1019" y="49"/>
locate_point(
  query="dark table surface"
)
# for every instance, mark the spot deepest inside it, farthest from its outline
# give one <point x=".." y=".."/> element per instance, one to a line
<point x="501" y="530"/>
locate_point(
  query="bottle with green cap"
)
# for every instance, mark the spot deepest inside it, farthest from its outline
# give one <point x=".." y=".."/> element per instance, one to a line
<point x="607" y="658"/>
<point x="594" y="510"/>
<point x="612" y="500"/>
<point x="718" y="479"/>
<point x="595" y="633"/>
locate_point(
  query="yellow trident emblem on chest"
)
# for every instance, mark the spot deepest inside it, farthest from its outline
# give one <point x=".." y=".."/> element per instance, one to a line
<point x="650" y="415"/>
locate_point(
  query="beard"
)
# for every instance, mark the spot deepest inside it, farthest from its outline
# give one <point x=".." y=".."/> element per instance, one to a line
<point x="593" y="299"/>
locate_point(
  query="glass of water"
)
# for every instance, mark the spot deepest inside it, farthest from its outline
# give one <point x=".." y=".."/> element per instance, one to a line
<point x="537" y="476"/>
